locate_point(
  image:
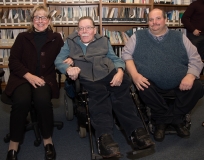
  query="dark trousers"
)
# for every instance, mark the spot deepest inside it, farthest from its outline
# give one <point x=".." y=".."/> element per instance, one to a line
<point x="198" y="41"/>
<point x="163" y="113"/>
<point x="103" y="99"/>
<point x="22" y="98"/>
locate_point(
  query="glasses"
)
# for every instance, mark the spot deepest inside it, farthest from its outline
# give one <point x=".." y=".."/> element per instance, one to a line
<point x="43" y="18"/>
<point x="87" y="28"/>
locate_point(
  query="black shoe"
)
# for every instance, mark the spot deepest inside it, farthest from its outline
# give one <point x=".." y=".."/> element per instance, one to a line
<point x="141" y="139"/>
<point x="107" y="147"/>
<point x="159" y="132"/>
<point x="181" y="130"/>
<point x="12" y="155"/>
<point x="50" y="153"/>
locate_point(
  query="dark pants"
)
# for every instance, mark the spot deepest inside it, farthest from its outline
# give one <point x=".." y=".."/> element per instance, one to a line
<point x="22" y="98"/>
<point x="103" y="99"/>
<point x="198" y="41"/>
<point x="163" y="113"/>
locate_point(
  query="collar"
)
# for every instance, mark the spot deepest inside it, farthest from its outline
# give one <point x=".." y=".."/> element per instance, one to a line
<point x="159" y="38"/>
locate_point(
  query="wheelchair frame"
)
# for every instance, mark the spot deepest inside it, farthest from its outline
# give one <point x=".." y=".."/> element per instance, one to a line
<point x="82" y="97"/>
<point x="147" y="113"/>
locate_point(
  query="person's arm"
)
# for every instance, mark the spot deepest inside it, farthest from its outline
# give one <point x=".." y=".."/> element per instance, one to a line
<point x="15" y="64"/>
<point x="119" y="66"/>
<point x="128" y="50"/>
<point x="59" y="61"/>
<point x="118" y="62"/>
<point x="187" y="16"/>
<point x="195" y="64"/>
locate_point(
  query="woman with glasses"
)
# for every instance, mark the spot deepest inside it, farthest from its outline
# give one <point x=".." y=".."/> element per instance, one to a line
<point x="33" y="80"/>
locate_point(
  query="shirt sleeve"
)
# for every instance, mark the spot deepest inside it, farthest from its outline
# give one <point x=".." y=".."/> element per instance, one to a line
<point x="129" y="48"/>
<point x="195" y="64"/>
<point x="118" y="62"/>
<point x="64" y="53"/>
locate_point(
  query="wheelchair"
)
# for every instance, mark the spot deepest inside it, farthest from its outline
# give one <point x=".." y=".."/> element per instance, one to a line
<point x="76" y="103"/>
<point x="146" y="111"/>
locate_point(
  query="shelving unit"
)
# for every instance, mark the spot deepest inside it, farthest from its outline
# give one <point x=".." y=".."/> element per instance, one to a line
<point x="64" y="25"/>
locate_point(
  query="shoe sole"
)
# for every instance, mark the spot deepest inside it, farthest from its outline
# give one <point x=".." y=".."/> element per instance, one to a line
<point x="112" y="155"/>
<point x="146" y="146"/>
<point x="183" y="136"/>
<point x="158" y="140"/>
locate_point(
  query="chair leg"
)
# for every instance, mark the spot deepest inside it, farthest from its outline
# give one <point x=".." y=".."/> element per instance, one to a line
<point x="36" y="130"/>
<point x="58" y="124"/>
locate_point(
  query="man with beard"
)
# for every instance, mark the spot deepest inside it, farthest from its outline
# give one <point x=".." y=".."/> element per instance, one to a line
<point x="193" y="20"/>
<point x="160" y="60"/>
<point x="101" y="73"/>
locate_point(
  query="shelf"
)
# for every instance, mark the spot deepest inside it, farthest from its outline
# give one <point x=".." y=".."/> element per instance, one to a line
<point x="170" y="5"/>
<point x="5" y="47"/>
<point x="124" y="24"/>
<point x="13" y="27"/>
<point x="127" y="4"/>
<point x="72" y="4"/>
<point x="3" y="66"/>
<point x="16" y="6"/>
<point x="69" y="25"/>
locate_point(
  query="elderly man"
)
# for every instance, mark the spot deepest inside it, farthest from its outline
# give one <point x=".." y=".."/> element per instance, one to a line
<point x="100" y="71"/>
<point x="160" y="60"/>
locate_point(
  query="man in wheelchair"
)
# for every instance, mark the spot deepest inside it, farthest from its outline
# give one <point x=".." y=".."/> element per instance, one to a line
<point x="101" y="73"/>
<point x="160" y="60"/>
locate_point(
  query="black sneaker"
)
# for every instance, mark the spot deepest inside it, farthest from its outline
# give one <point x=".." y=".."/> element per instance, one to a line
<point x="107" y="147"/>
<point x="141" y="139"/>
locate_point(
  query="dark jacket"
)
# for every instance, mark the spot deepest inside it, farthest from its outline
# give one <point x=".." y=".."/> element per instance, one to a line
<point x="193" y="17"/>
<point x="23" y="59"/>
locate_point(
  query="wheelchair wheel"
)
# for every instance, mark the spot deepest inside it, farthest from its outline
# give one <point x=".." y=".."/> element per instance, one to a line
<point x="82" y="132"/>
<point x="69" y="107"/>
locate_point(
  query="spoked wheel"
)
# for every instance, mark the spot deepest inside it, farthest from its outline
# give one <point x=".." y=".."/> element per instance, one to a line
<point x="82" y="132"/>
<point x="69" y="107"/>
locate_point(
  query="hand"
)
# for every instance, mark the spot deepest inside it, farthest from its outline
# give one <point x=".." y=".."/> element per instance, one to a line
<point x="69" y="61"/>
<point x="73" y="72"/>
<point x="140" y="82"/>
<point x="34" y="80"/>
<point x="117" y="78"/>
<point x="196" y="32"/>
<point x="187" y="82"/>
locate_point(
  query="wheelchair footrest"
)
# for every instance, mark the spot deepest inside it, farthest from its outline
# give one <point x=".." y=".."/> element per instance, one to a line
<point x="136" y="154"/>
